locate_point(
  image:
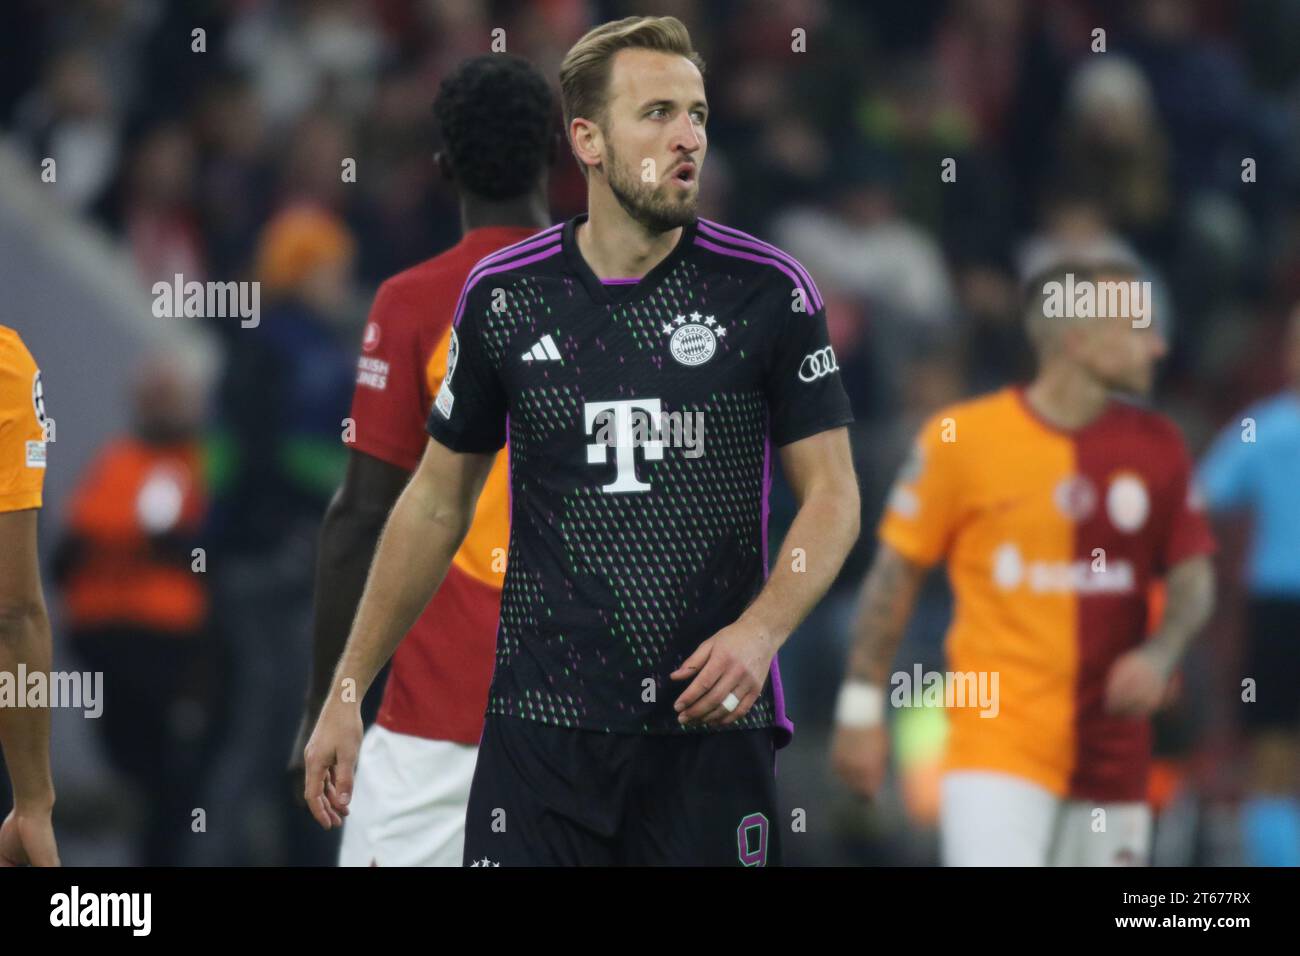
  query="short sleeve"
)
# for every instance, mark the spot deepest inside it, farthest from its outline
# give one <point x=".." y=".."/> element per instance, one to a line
<point x="804" y="390"/>
<point x="921" y="512"/>
<point x="469" y="411"/>
<point x="22" y="427"/>
<point x="391" y="397"/>
<point x="1224" y="477"/>
<point x="1189" y="533"/>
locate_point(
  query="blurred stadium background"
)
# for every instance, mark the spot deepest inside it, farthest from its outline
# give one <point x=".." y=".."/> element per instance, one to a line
<point x="225" y="165"/>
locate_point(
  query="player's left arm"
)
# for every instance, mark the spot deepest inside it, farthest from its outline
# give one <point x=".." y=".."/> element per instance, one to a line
<point x="1139" y="679"/>
<point x="807" y="411"/>
<point x="736" y="660"/>
<point x="1190" y="602"/>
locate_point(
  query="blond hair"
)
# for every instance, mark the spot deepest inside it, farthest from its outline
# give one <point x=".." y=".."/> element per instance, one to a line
<point x="584" y="74"/>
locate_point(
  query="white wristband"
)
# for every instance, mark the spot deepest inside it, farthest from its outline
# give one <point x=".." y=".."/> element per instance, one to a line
<point x="860" y="705"/>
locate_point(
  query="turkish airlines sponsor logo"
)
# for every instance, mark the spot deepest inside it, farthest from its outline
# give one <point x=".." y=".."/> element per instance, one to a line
<point x="818" y="364"/>
<point x="372" y="373"/>
<point x="1010" y="571"/>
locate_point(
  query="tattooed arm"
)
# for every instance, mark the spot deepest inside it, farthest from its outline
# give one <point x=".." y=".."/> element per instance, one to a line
<point x="1188" y="606"/>
<point x="860" y="746"/>
<point x="1138" y="680"/>
<point x="888" y="595"/>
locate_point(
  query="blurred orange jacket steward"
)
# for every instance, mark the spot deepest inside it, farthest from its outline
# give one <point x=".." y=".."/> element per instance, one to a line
<point x="131" y="518"/>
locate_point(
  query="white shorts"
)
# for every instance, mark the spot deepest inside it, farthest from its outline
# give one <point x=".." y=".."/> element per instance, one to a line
<point x="408" y="802"/>
<point x="998" y="819"/>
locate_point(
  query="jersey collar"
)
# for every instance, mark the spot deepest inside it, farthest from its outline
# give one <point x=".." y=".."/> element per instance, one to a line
<point x="1018" y="390"/>
<point x="609" y="294"/>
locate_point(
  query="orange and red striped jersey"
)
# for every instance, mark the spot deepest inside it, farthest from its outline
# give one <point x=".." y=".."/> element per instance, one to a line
<point x="1052" y="540"/>
<point x="22" y="426"/>
<point x="438" y="683"/>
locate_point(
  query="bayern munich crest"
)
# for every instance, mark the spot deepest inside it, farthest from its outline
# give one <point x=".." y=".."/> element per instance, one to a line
<point x="694" y="338"/>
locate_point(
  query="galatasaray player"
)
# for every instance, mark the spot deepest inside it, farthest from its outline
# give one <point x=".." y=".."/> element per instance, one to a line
<point x="27" y="835"/>
<point x="1054" y="506"/>
<point x="496" y="118"/>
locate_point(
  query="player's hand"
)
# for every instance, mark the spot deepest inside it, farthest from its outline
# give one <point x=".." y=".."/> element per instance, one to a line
<point x="27" y="839"/>
<point x="331" y="762"/>
<point x="859" y="756"/>
<point x="297" y="764"/>
<point x="736" y="660"/>
<point x="1137" y="685"/>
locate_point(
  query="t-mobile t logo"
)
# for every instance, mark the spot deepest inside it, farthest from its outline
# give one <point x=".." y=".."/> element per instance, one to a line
<point x="624" y="440"/>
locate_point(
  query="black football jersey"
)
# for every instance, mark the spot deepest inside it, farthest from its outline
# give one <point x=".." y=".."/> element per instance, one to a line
<point x="640" y="418"/>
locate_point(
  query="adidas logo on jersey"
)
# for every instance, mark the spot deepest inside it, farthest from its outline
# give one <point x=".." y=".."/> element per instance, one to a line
<point x="543" y="350"/>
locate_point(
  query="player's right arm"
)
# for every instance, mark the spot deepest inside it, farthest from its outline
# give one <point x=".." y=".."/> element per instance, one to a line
<point x="914" y="534"/>
<point x="419" y="540"/>
<point x="389" y="405"/>
<point x="860" y="747"/>
<point x="353" y="524"/>
<point x="27" y="835"/>
<point x="351" y="528"/>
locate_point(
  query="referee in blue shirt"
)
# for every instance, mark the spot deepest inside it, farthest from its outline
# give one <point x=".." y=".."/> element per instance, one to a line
<point x="1254" y="466"/>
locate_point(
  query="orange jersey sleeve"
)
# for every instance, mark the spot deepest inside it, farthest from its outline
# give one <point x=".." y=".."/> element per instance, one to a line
<point x="924" y="505"/>
<point x="22" y="428"/>
<point x="482" y="553"/>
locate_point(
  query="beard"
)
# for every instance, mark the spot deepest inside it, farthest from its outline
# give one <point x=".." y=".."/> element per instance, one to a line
<point x="647" y="203"/>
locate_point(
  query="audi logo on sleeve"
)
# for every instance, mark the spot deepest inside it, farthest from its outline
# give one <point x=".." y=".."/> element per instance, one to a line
<point x="818" y="364"/>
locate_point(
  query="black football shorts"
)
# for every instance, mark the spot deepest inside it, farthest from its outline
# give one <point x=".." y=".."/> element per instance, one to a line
<point x="552" y="796"/>
<point x="1273" y="660"/>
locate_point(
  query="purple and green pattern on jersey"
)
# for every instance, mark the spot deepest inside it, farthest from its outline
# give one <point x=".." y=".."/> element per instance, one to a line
<point x="771" y="255"/>
<point x="642" y="417"/>
<point x="547" y="241"/>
